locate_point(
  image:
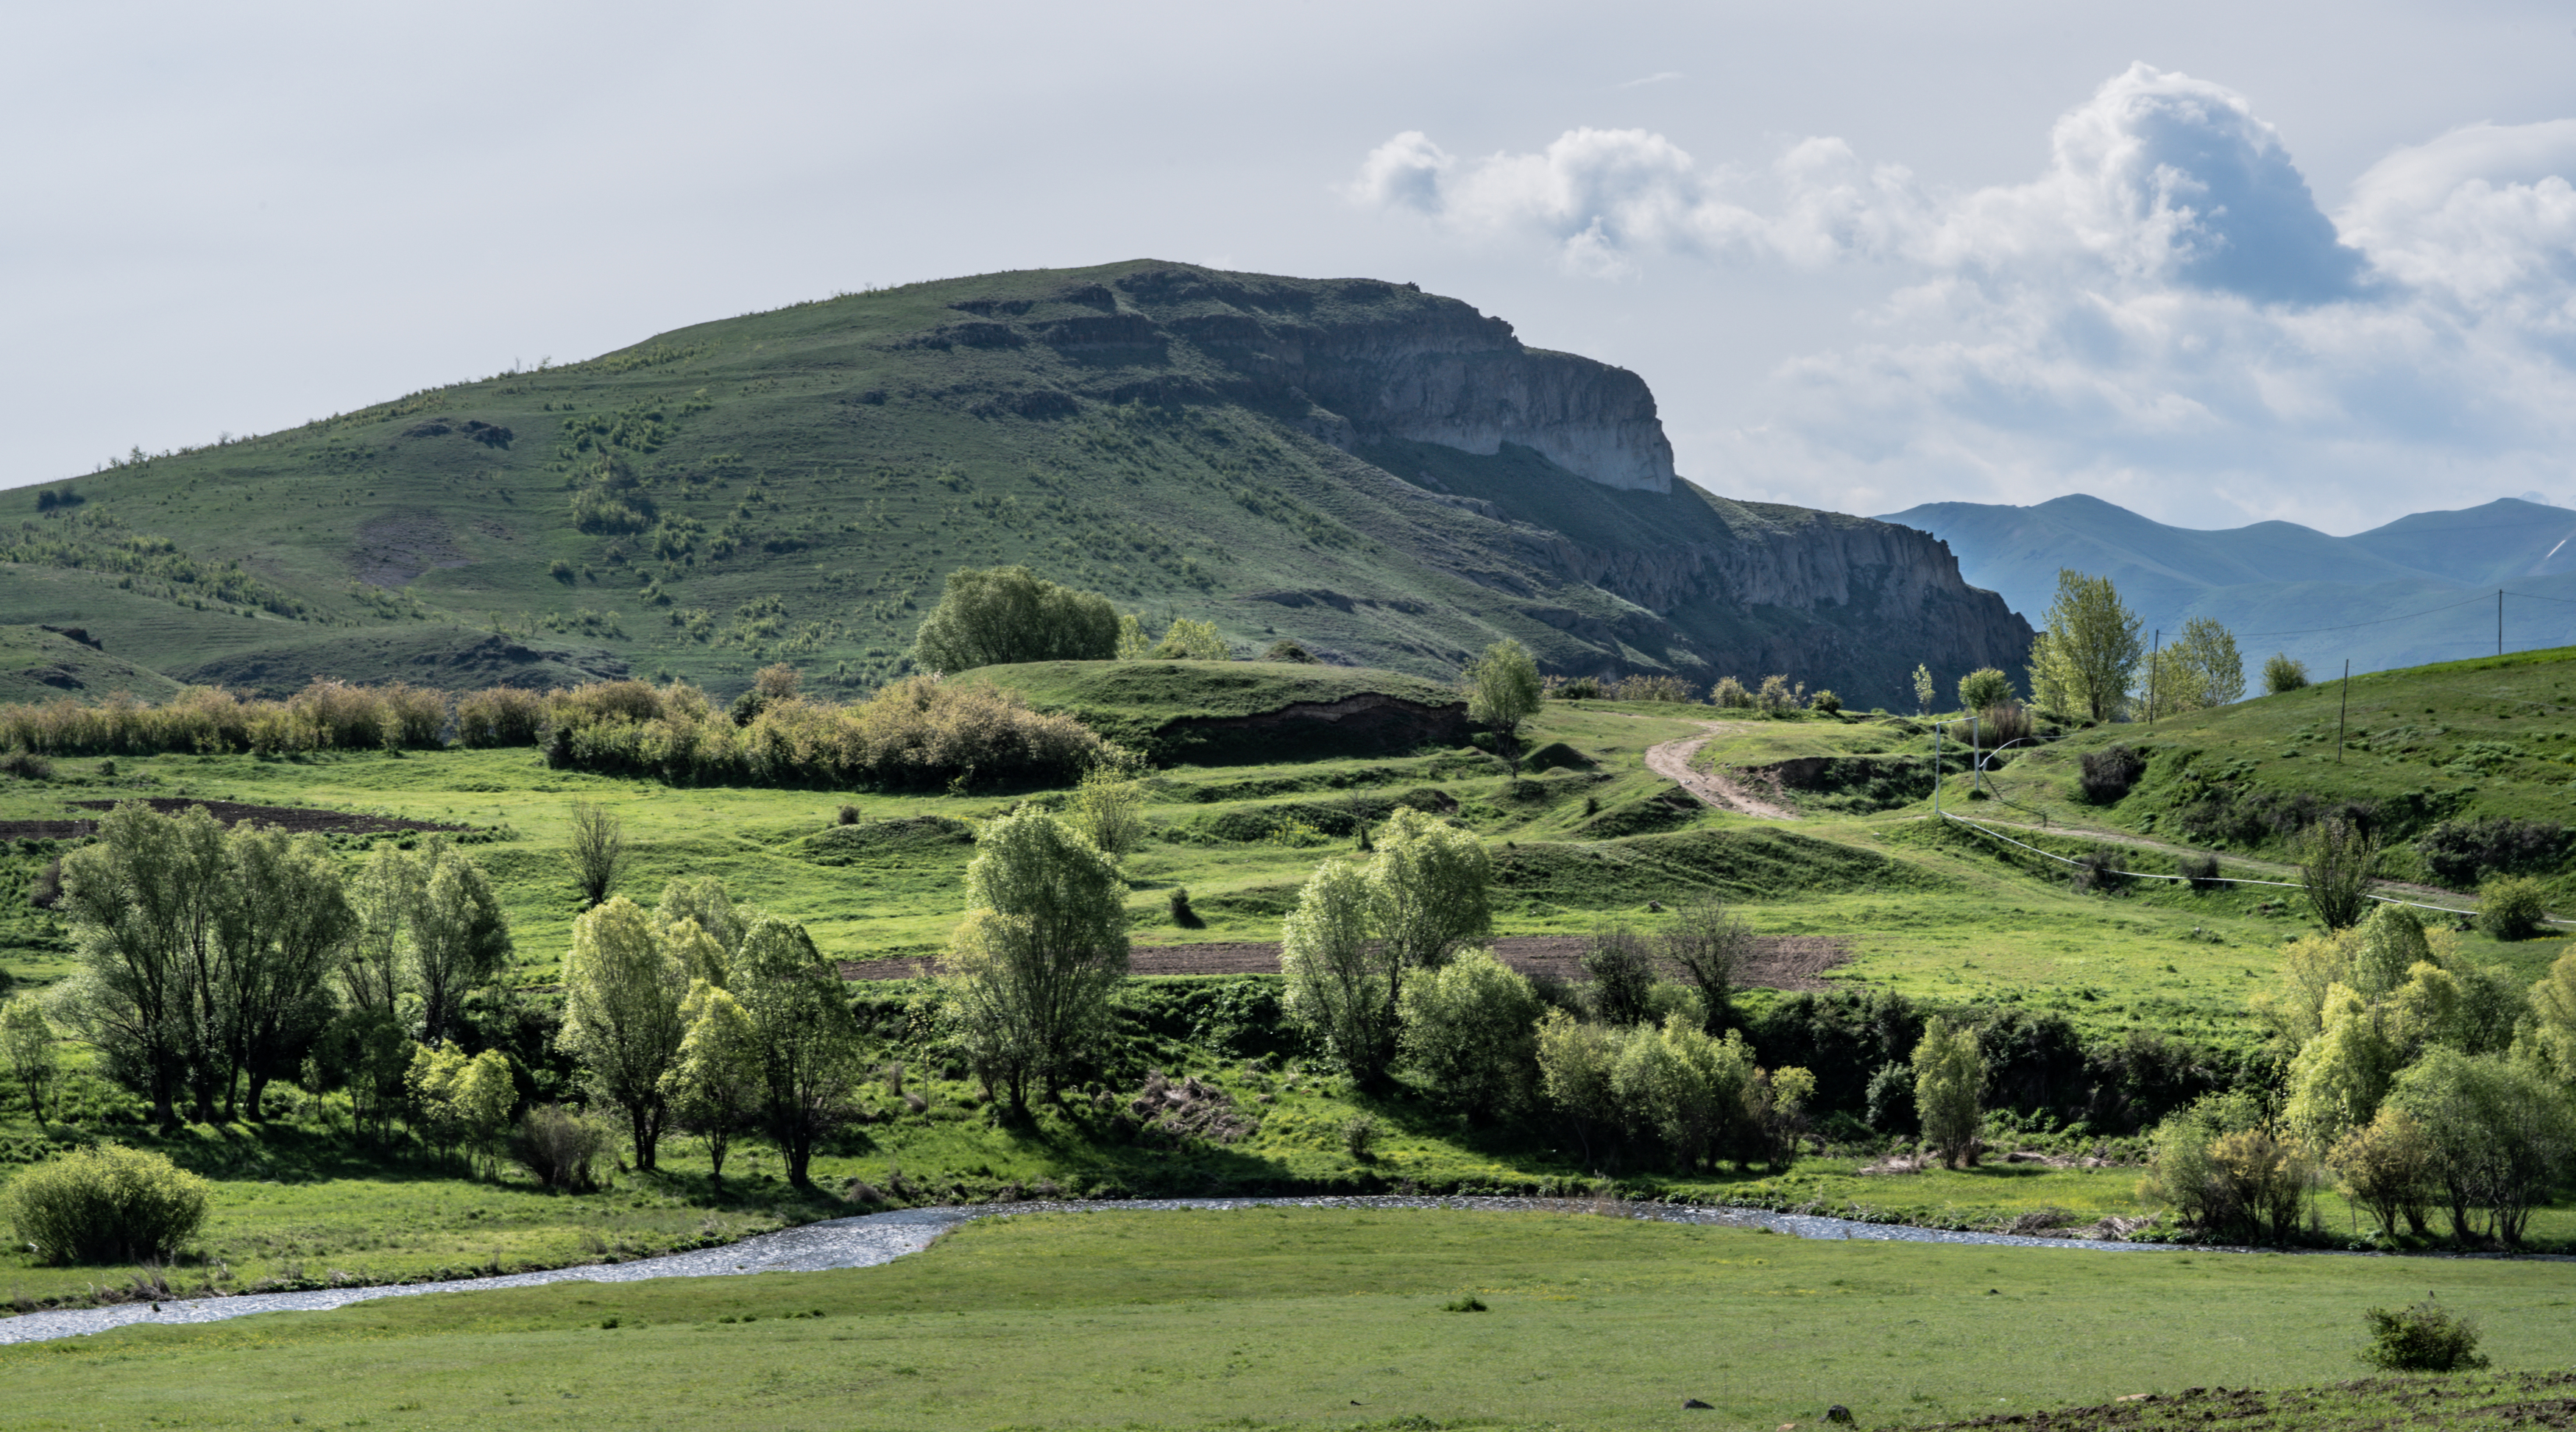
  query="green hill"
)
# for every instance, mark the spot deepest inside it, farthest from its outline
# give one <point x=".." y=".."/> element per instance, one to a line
<point x="2453" y="743"/>
<point x="1386" y="476"/>
<point x="40" y="663"/>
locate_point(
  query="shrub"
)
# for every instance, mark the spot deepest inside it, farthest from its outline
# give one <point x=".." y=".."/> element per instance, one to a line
<point x="596" y="852"/>
<point x="1577" y="688"/>
<point x="1285" y="650"/>
<point x="1650" y="688"/>
<point x="2097" y="871"/>
<point x="2200" y="870"/>
<point x="2281" y="674"/>
<point x="1730" y="694"/>
<point x="1777" y="694"/>
<point x="2512" y="907"/>
<point x="1468" y="1026"/>
<point x="2336" y="859"/>
<point x="27" y="766"/>
<point x="1186" y="640"/>
<point x="2387" y="1168"/>
<point x="2423" y="1338"/>
<point x="1949" y="1091"/>
<point x="499" y="716"/>
<point x="1179" y="905"/>
<point x="1623" y="976"/>
<point x="561" y="571"/>
<point x="558" y="1148"/>
<point x="1359" y="1136"/>
<point x="2109" y="775"/>
<point x="106" y="1204"/>
<point x="2460" y="852"/>
<point x="1984" y="687"/>
<point x="1826" y="702"/>
<point x="847" y="815"/>
<point x="999" y="615"/>
<point x="2217" y="1166"/>
<point x="2001" y="725"/>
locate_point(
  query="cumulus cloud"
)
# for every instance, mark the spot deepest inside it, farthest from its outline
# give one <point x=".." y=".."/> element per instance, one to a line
<point x="2164" y="314"/>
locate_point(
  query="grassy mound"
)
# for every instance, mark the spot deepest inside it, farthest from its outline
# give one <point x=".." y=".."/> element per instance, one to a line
<point x="1209" y="711"/>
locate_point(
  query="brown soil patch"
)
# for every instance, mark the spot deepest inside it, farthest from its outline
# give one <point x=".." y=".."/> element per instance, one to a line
<point x="1724" y="788"/>
<point x="1791" y="962"/>
<point x="226" y="813"/>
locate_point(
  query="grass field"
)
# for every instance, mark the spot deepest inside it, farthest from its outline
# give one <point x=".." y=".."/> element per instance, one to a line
<point x="1300" y="1318"/>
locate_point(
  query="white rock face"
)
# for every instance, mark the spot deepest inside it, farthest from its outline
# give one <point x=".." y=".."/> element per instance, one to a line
<point x="1589" y="418"/>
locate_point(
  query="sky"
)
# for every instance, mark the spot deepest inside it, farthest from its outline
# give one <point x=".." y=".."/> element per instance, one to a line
<point x="2214" y="262"/>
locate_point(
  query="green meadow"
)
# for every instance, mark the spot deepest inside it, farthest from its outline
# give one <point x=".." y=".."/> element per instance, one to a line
<point x="1295" y="1318"/>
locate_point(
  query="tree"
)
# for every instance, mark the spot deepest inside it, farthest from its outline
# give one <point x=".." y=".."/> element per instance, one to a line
<point x="803" y="1045"/>
<point x="27" y="1042"/>
<point x="1186" y="640"/>
<point x="1950" y="1091"/>
<point x="701" y="901"/>
<point x="1030" y="972"/>
<point x="1468" y="1026"/>
<point x="2501" y="1135"/>
<point x="1924" y="690"/>
<point x="996" y="616"/>
<point x="2336" y="859"/>
<point x="459" y="937"/>
<point x="622" y="992"/>
<point x="387" y="895"/>
<point x="2093" y="649"/>
<point x="1343" y="983"/>
<point x="1503" y="690"/>
<point x="1623" y="974"/>
<point x="1576" y="1065"/>
<point x="463" y="1103"/>
<point x="1710" y="945"/>
<point x="2280" y="674"/>
<point x="287" y="928"/>
<point x="2553" y="1010"/>
<point x="2206" y="656"/>
<point x="596" y="852"/>
<point x="1108" y="808"/>
<point x="2386" y="1167"/>
<point x="1427" y="888"/>
<point x="1986" y="686"/>
<point x="1685" y="1087"/>
<point x="141" y="905"/>
<point x="714" y="1090"/>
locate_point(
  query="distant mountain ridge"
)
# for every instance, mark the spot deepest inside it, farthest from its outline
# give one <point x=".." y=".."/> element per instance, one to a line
<point x="2398" y="595"/>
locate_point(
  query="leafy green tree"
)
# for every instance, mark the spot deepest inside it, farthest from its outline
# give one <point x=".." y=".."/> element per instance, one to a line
<point x="702" y="901"/>
<point x="1343" y="982"/>
<point x="2337" y="858"/>
<point x="385" y="898"/>
<point x="367" y="1052"/>
<point x="2206" y="654"/>
<point x="2552" y="1041"/>
<point x="1108" y="808"/>
<point x="1030" y="973"/>
<point x="1187" y="640"/>
<point x="1469" y="1026"/>
<point x="2093" y="650"/>
<point x="462" y="1103"/>
<point x="996" y="616"/>
<point x="1986" y="686"/>
<point x="27" y="1042"/>
<point x="1427" y="887"/>
<point x="1577" y="1061"/>
<point x="622" y="993"/>
<point x="2280" y="674"/>
<point x="150" y="904"/>
<point x="285" y="929"/>
<point x="1925" y="688"/>
<point x="2387" y="1168"/>
<point x="1709" y="945"/>
<point x="1503" y="690"/>
<point x="2513" y="907"/>
<point x="714" y="1090"/>
<point x="803" y="1044"/>
<point x="459" y="937"/>
<point x="1950" y="1091"/>
<point x="1685" y="1087"/>
<point x="2501" y="1136"/>
<point x="596" y="852"/>
<point x="2339" y="1078"/>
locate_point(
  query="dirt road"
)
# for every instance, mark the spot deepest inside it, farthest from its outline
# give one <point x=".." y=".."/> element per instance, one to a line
<point x="1672" y="761"/>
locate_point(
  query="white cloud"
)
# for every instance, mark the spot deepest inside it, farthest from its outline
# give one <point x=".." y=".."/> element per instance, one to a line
<point x="2163" y="315"/>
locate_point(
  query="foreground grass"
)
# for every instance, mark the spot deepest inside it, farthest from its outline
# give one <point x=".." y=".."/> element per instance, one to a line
<point x="1299" y="1318"/>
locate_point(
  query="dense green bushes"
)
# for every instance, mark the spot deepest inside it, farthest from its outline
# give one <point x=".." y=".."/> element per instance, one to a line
<point x="327" y="715"/>
<point x="105" y="1204"/>
<point x="1004" y="615"/>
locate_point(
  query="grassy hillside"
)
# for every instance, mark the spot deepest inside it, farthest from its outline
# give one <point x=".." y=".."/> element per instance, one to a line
<point x="793" y="485"/>
<point x="2457" y="741"/>
<point x="45" y="664"/>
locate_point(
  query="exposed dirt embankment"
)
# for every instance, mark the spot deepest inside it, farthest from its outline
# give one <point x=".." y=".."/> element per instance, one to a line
<point x="1720" y="788"/>
<point x="1364" y="722"/>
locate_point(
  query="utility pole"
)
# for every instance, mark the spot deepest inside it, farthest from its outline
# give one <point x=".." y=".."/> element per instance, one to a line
<point x="2155" y="659"/>
<point x="2343" y="710"/>
<point x="1976" y="758"/>
<point x="1936" y="770"/>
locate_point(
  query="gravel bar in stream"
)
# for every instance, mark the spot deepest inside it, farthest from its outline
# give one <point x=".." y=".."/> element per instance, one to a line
<point x="875" y="1238"/>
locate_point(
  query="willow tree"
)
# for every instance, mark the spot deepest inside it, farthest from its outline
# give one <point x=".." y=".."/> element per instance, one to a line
<point x="622" y="991"/>
<point x="2089" y="653"/>
<point x="1030" y="972"/>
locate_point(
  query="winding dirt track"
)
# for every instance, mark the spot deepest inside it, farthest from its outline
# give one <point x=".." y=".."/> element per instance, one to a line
<point x="1672" y="761"/>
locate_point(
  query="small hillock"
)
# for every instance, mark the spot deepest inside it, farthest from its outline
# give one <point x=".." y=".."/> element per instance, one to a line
<point x="1218" y="712"/>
